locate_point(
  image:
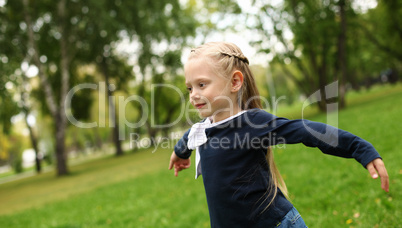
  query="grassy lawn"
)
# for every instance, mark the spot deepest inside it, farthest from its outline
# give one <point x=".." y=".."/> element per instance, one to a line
<point x="137" y="190"/>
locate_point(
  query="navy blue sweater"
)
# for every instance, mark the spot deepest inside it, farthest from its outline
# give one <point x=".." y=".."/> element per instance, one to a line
<point x="235" y="171"/>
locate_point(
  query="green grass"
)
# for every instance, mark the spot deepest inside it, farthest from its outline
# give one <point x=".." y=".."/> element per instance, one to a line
<point x="137" y="190"/>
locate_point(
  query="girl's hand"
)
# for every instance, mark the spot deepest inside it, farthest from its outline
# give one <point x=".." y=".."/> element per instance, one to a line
<point x="178" y="163"/>
<point x="377" y="165"/>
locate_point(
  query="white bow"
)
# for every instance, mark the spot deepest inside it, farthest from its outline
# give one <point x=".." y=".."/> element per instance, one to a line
<point x="196" y="138"/>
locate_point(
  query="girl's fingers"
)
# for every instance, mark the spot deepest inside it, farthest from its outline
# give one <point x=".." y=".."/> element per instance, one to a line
<point x="378" y="166"/>
<point x="170" y="164"/>
<point x="382" y="171"/>
<point x="176" y="171"/>
<point x="178" y="164"/>
<point x="185" y="166"/>
<point x="372" y="171"/>
<point x="385" y="182"/>
<point x="172" y="160"/>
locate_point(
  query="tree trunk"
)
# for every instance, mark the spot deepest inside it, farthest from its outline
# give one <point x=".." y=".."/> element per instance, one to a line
<point x="342" y="55"/>
<point x="58" y="112"/>
<point x="323" y="80"/>
<point x="32" y="137"/>
<point x="61" y="156"/>
<point x="116" y="140"/>
<point x="47" y="89"/>
<point x="61" y="118"/>
<point x="112" y="109"/>
<point x="34" y="143"/>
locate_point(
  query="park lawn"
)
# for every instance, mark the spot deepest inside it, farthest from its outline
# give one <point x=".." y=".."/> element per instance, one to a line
<point x="137" y="190"/>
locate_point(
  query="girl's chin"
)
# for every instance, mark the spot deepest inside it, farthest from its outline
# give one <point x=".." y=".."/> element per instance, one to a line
<point x="204" y="113"/>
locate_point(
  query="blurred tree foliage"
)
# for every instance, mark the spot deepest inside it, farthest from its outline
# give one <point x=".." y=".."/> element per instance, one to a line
<point x="10" y="60"/>
<point x="317" y="42"/>
<point x="4" y="150"/>
<point x="8" y="63"/>
<point x="379" y="40"/>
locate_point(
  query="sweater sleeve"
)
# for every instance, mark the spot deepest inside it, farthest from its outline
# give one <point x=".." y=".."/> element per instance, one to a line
<point x="181" y="149"/>
<point x="328" y="139"/>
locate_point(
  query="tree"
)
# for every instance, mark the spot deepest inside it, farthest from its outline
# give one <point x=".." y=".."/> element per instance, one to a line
<point x="57" y="109"/>
<point x="382" y="32"/>
<point x="9" y="107"/>
<point x="143" y="23"/>
<point x="164" y="92"/>
<point x="312" y="36"/>
<point x="63" y="35"/>
<point x="342" y="59"/>
<point x="11" y="58"/>
<point x="26" y="109"/>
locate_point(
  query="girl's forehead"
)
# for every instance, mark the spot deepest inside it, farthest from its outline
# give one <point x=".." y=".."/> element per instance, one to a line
<point x="196" y="66"/>
<point x="196" y="61"/>
<point x="201" y="67"/>
<point x="198" y="75"/>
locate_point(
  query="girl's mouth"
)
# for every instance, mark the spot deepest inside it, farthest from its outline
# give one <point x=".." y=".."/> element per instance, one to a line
<point x="198" y="106"/>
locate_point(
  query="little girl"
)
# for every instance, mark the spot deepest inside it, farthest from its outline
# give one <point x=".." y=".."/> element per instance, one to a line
<point x="242" y="184"/>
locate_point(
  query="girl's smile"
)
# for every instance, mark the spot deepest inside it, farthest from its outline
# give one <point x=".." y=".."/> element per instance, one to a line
<point x="199" y="106"/>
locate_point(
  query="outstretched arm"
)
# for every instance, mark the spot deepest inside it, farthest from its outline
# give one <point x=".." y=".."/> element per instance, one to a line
<point x="329" y="140"/>
<point x="178" y="163"/>
<point x="377" y="167"/>
<point x="340" y="143"/>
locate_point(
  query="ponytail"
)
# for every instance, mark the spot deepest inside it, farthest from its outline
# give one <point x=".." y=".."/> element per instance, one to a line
<point x="277" y="180"/>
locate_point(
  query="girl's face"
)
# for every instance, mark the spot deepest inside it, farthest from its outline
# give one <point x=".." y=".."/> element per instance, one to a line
<point x="211" y="94"/>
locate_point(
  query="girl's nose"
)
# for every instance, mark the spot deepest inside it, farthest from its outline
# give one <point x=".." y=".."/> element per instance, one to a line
<point x="194" y="95"/>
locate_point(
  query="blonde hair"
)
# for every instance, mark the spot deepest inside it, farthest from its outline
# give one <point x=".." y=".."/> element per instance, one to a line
<point x="224" y="58"/>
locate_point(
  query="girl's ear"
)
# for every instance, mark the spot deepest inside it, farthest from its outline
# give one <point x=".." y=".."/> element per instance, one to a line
<point x="237" y="81"/>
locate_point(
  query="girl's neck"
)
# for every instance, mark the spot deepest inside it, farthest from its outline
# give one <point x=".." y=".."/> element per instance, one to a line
<point x="225" y="114"/>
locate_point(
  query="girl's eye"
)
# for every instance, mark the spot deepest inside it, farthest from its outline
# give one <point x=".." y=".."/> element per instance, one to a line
<point x="189" y="89"/>
<point x="202" y="85"/>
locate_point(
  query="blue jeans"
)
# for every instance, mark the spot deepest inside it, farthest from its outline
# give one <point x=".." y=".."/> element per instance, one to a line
<point x="292" y="219"/>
